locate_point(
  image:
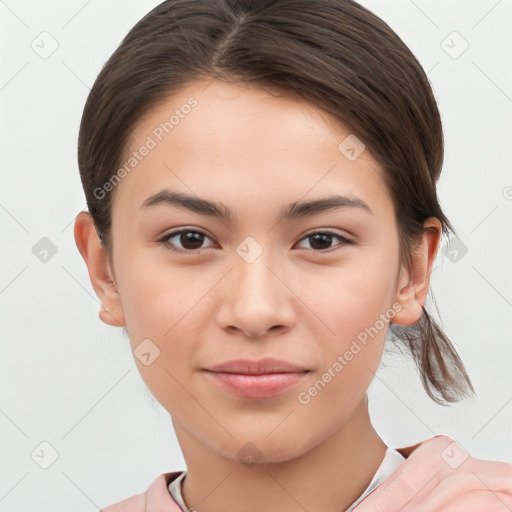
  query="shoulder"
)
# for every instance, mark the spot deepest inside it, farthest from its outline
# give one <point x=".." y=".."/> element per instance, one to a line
<point x="157" y="495"/>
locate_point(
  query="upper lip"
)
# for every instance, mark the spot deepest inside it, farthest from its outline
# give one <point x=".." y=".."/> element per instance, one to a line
<point x="262" y="366"/>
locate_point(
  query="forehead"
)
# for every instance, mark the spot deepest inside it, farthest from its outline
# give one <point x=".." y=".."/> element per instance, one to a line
<point x="218" y="139"/>
<point x="226" y="113"/>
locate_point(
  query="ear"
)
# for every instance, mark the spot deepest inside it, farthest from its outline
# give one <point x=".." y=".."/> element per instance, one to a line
<point x="413" y="286"/>
<point x="98" y="265"/>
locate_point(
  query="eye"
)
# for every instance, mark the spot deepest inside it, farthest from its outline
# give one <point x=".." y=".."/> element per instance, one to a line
<point x="190" y="240"/>
<point x="323" y="239"/>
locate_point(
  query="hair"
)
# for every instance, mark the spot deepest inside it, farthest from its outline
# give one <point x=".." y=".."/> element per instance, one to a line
<point x="336" y="55"/>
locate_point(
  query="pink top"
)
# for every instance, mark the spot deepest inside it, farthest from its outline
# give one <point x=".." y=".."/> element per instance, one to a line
<point x="164" y="493"/>
<point x="156" y="499"/>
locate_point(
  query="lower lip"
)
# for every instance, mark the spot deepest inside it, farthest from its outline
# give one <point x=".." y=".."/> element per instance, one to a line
<point x="256" y="386"/>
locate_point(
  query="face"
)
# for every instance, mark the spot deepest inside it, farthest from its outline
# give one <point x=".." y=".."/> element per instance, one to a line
<point x="315" y="287"/>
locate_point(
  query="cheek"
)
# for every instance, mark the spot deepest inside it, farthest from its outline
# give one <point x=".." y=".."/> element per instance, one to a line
<point x="352" y="313"/>
<point x="349" y="299"/>
<point x="350" y="357"/>
<point x="159" y="298"/>
<point x="158" y="321"/>
<point x="165" y="306"/>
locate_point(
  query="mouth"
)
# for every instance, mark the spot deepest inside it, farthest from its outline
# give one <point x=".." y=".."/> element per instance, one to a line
<point x="259" y="367"/>
<point x="264" y="378"/>
<point x="256" y="386"/>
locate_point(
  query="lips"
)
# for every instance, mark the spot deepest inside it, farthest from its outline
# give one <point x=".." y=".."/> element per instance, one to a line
<point x="260" y="367"/>
<point x="256" y="379"/>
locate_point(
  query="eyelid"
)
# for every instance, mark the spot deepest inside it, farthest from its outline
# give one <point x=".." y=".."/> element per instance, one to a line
<point x="329" y="231"/>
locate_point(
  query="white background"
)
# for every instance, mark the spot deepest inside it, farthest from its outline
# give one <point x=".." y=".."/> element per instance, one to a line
<point x="70" y="380"/>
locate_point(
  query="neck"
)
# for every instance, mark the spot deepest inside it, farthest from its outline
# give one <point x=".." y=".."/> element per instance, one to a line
<point x="328" y="477"/>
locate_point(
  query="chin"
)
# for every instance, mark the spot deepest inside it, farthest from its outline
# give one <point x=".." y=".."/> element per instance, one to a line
<point x="252" y="447"/>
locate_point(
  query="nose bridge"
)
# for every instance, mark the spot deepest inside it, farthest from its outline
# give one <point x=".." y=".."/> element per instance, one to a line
<point x="256" y="299"/>
<point x="254" y="279"/>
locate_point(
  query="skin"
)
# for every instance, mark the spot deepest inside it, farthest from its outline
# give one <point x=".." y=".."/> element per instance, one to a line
<point x="256" y="152"/>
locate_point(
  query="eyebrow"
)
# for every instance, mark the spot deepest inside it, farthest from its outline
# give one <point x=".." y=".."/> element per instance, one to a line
<point x="292" y="211"/>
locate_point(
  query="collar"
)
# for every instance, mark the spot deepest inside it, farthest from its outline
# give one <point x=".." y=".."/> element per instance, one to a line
<point x="158" y="497"/>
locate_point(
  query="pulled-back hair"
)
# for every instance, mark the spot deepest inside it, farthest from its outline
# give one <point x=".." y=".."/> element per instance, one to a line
<point x="336" y="55"/>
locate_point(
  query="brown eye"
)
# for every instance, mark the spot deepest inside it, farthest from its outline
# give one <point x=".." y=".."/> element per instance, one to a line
<point x="188" y="240"/>
<point x="322" y="240"/>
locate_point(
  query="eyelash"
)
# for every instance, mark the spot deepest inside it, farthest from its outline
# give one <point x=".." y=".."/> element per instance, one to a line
<point x="164" y="241"/>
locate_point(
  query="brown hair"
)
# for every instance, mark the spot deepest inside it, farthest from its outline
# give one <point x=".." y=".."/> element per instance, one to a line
<point x="336" y="55"/>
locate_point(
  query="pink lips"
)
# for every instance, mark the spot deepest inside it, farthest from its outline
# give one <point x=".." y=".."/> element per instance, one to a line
<point x="256" y="379"/>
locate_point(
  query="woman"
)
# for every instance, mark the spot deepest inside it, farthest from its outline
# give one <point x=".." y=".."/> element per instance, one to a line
<point x="261" y="185"/>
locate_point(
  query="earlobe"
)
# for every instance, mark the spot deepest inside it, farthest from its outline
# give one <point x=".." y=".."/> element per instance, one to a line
<point x="110" y="318"/>
<point x="95" y="257"/>
<point x="410" y="310"/>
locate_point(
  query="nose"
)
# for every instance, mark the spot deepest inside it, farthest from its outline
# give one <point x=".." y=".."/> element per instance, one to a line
<point x="256" y="300"/>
